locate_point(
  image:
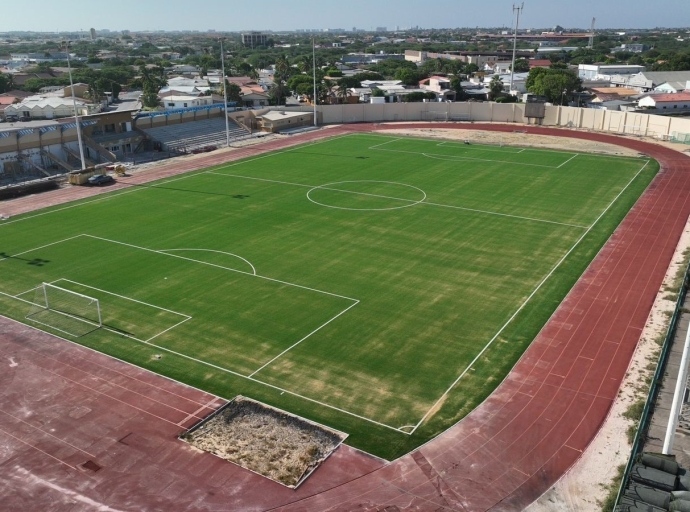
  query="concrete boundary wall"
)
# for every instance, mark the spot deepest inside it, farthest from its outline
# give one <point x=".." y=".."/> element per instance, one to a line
<point x="607" y="121"/>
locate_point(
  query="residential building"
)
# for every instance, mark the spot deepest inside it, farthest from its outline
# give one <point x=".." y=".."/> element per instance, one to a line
<point x="41" y="107"/>
<point x="673" y="86"/>
<point x="631" y="48"/>
<point x="175" y="101"/>
<point x="79" y="90"/>
<point x="607" y="71"/>
<point x="539" y="63"/>
<point x="279" y="120"/>
<point x="39" y="57"/>
<point x="187" y="90"/>
<point x="368" y="58"/>
<point x="439" y="85"/>
<point x="254" y="96"/>
<point x="678" y="103"/>
<point x="603" y="94"/>
<point x="648" y="80"/>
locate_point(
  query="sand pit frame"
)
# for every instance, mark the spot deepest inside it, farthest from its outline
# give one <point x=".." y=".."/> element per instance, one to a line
<point x="270" y="442"/>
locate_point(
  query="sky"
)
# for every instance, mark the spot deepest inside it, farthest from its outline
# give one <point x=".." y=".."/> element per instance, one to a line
<point x="277" y="15"/>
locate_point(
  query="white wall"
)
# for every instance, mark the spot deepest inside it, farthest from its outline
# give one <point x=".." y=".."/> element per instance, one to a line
<point x="632" y="123"/>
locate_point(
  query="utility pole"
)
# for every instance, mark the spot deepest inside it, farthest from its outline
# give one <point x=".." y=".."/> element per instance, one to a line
<point x="66" y="45"/>
<point x="313" y="61"/>
<point x="225" y="93"/>
<point x="516" y="10"/>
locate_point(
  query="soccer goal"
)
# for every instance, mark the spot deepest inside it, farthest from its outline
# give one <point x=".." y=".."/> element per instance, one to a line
<point x="66" y="311"/>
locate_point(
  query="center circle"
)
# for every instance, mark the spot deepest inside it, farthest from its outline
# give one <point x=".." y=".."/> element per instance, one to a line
<point x="362" y="193"/>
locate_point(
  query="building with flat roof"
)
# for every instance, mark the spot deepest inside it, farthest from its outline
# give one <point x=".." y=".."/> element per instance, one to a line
<point x="607" y="71"/>
<point x="254" y="39"/>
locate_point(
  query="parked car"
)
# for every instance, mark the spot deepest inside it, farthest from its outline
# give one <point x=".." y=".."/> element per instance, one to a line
<point x="101" y="179"/>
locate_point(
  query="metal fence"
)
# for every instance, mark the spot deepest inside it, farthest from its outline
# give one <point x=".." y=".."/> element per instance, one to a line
<point x="643" y="425"/>
<point x="683" y="138"/>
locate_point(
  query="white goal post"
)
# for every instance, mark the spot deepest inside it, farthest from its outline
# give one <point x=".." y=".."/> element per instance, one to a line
<point x="65" y="310"/>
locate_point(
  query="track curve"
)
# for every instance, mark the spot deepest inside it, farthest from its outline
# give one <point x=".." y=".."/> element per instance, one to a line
<point x="504" y="454"/>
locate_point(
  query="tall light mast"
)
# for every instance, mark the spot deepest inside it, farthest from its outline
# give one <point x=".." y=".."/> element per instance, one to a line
<point x="516" y="10"/>
<point x="225" y="93"/>
<point x="67" y="47"/>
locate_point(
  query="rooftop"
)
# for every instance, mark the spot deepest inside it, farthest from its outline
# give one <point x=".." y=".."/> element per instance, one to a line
<point x="669" y="97"/>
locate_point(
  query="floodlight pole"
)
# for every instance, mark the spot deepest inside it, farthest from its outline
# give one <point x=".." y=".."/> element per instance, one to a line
<point x="66" y="45"/>
<point x="313" y="62"/>
<point x="517" y="11"/>
<point x="225" y="94"/>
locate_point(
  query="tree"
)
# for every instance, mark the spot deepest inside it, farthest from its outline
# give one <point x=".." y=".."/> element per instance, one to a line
<point x="115" y="89"/>
<point x="95" y="90"/>
<point x="152" y="81"/>
<point x="408" y="76"/>
<point x="495" y="87"/>
<point x="234" y="92"/>
<point x="6" y="82"/>
<point x="377" y="93"/>
<point x="521" y="66"/>
<point x="282" y="74"/>
<point x="418" y="96"/>
<point x="554" y="84"/>
<point x="296" y="80"/>
<point x="368" y="75"/>
<point x="456" y="85"/>
<point x="350" y="82"/>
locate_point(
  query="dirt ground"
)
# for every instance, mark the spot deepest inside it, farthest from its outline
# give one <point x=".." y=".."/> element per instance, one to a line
<point x="269" y="442"/>
<point x="581" y="488"/>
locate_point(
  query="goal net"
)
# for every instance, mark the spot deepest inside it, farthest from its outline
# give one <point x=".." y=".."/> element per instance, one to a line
<point x="66" y="311"/>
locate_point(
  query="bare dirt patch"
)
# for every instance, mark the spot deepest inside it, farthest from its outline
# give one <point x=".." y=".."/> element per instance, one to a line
<point x="267" y="441"/>
<point x="516" y="139"/>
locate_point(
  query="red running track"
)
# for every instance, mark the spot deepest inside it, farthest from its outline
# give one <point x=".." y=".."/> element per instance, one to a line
<point x="501" y="457"/>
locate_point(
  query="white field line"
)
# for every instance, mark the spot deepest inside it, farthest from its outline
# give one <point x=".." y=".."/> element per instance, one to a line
<point x="41" y="247"/>
<point x="212" y="250"/>
<point x="536" y="150"/>
<point x="224" y="268"/>
<point x="307" y="336"/>
<point x="487" y="212"/>
<point x="184" y="316"/>
<point x="47" y="433"/>
<point x="521" y="307"/>
<point x="257" y="381"/>
<point x="226" y="370"/>
<point x="169" y="328"/>
<point x="123" y="297"/>
<point x="473" y="147"/>
<point x="61" y="330"/>
<point x="455" y="158"/>
<point x="186" y="174"/>
<point x="504" y="215"/>
<point x="568" y="160"/>
<point x="384" y="143"/>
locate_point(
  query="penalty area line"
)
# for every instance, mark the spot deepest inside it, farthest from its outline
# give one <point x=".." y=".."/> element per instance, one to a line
<point x="529" y="297"/>
<point x="304" y="338"/>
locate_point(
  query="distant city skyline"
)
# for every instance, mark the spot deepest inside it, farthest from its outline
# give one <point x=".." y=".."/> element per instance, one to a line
<point x="280" y="15"/>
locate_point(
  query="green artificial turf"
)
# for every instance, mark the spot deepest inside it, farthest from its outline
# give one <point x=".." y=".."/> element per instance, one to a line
<point x="381" y="285"/>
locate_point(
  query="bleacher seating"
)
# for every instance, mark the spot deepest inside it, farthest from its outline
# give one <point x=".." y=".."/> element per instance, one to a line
<point x="195" y="135"/>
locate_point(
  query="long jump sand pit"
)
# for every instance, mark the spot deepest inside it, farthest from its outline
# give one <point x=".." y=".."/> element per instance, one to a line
<point x="265" y="440"/>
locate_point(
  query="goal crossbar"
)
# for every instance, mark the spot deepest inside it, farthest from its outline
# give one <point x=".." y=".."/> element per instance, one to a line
<point x="68" y="303"/>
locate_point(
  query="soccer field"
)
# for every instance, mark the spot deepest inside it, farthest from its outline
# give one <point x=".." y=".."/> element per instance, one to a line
<point x="381" y="285"/>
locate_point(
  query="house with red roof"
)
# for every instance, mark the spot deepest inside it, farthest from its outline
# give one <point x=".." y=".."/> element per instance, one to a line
<point x="539" y="63"/>
<point x="678" y="102"/>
